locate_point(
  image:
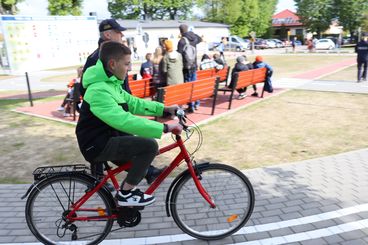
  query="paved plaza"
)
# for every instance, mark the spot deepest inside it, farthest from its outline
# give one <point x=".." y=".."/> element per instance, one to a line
<point x="317" y="201"/>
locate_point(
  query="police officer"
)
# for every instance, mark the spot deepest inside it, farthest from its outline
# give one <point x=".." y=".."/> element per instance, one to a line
<point x="362" y="50"/>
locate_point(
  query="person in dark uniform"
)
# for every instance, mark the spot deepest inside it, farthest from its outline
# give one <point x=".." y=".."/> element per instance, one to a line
<point x="111" y="30"/>
<point x="362" y="50"/>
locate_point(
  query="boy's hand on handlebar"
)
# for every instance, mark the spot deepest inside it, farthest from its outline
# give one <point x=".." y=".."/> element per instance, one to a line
<point x="174" y="128"/>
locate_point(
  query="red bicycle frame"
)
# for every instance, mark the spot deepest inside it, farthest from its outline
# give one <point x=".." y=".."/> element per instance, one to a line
<point x="183" y="155"/>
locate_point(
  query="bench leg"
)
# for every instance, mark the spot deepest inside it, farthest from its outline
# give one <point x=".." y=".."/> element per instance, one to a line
<point x="231" y="98"/>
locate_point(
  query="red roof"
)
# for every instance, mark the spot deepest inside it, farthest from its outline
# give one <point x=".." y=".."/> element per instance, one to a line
<point x="286" y="18"/>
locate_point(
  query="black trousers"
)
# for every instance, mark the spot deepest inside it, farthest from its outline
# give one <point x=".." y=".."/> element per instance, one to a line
<point x="362" y="64"/>
<point x="138" y="150"/>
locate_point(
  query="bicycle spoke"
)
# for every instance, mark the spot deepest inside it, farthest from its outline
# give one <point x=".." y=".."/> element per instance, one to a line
<point x="48" y="222"/>
<point x="231" y="193"/>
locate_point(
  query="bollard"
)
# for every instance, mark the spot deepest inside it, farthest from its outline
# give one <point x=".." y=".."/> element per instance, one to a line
<point x="29" y="90"/>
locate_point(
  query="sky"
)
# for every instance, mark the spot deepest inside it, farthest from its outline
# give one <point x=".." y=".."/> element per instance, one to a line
<point x="39" y="7"/>
<point x="285" y="4"/>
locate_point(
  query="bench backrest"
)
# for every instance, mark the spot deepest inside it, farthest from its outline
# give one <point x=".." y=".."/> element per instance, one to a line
<point x="142" y="88"/>
<point x="184" y="93"/>
<point x="202" y="74"/>
<point x="250" y="77"/>
<point x="259" y="75"/>
<point x="223" y="73"/>
<point x="132" y="77"/>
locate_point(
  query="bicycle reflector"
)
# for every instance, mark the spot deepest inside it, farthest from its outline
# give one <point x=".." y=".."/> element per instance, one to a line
<point x="232" y="218"/>
<point x="101" y="211"/>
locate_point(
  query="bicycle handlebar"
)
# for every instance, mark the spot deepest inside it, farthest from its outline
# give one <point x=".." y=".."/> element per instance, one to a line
<point x="180" y="113"/>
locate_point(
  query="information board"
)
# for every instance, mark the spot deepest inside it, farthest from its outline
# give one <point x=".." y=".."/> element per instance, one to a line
<point x="37" y="43"/>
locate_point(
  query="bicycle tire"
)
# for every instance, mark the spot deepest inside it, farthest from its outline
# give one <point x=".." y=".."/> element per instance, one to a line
<point x="51" y="198"/>
<point x="232" y="193"/>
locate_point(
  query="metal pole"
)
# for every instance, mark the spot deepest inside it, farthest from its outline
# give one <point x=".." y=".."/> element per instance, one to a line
<point x="29" y="90"/>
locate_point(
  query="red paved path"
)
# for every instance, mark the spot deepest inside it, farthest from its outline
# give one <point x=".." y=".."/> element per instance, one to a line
<point x="314" y="74"/>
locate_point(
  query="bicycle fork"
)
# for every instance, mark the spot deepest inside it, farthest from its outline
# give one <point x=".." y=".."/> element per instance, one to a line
<point x="196" y="175"/>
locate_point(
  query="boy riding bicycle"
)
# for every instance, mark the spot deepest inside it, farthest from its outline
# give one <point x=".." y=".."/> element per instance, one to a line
<point x="108" y="129"/>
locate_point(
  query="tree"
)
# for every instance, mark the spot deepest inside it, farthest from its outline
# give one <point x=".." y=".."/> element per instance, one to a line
<point x="149" y="9"/>
<point x="243" y="16"/>
<point x="264" y="20"/>
<point x="351" y="14"/>
<point x="365" y="22"/>
<point x="248" y="19"/>
<point x="65" y="7"/>
<point x="316" y="15"/>
<point x="9" y="6"/>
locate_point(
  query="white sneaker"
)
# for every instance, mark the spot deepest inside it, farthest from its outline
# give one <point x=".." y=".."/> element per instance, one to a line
<point x="242" y="96"/>
<point x="66" y="114"/>
<point x="135" y="198"/>
<point x="60" y="108"/>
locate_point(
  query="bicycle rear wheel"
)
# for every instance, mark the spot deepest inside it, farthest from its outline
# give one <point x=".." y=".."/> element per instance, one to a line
<point x="49" y="203"/>
<point x="233" y="196"/>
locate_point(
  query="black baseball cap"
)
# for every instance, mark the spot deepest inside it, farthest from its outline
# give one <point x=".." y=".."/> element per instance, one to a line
<point x="110" y="24"/>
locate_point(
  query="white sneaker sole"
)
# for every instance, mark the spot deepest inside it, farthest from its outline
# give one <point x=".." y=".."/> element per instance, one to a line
<point x="126" y="204"/>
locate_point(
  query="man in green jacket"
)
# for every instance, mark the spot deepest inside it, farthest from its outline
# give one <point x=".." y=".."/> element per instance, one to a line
<point x="108" y="129"/>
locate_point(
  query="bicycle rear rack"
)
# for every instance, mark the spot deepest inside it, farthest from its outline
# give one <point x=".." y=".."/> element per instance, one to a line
<point x="47" y="171"/>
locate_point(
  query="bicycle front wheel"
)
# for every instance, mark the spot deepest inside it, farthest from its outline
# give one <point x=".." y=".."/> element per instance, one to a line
<point x="232" y="194"/>
<point x="50" y="202"/>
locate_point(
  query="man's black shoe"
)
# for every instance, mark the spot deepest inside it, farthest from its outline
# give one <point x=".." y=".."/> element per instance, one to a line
<point x="153" y="173"/>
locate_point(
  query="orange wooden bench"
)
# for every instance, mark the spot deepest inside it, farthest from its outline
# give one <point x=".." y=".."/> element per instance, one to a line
<point x="201" y="74"/>
<point x="223" y="74"/>
<point x="142" y="88"/>
<point x="181" y="94"/>
<point x="244" y="79"/>
<point x="132" y="77"/>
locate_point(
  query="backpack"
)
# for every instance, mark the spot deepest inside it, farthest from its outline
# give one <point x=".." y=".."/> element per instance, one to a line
<point x="189" y="55"/>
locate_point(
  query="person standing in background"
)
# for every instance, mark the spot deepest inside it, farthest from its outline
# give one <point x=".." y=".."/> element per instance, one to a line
<point x="190" y="68"/>
<point x="147" y="67"/>
<point x="173" y="65"/>
<point x="362" y="59"/>
<point x="158" y="65"/>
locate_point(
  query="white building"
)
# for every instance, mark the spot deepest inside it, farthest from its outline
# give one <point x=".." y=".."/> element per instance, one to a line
<point x="147" y="35"/>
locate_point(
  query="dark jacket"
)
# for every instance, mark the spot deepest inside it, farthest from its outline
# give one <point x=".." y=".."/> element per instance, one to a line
<point x="108" y="111"/>
<point x="193" y="38"/>
<point x="237" y="68"/>
<point x="362" y="50"/>
<point x="146" y="69"/>
<point x="241" y="67"/>
<point x="91" y="61"/>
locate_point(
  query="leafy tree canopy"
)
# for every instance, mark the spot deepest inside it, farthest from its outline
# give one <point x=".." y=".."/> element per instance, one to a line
<point x="9" y="6"/>
<point x="149" y="9"/>
<point x="65" y="7"/>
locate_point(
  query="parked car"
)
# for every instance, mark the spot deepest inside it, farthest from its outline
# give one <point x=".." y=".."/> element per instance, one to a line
<point x="271" y="43"/>
<point x="213" y="45"/>
<point x="325" y="43"/>
<point x="279" y="43"/>
<point x="260" y="44"/>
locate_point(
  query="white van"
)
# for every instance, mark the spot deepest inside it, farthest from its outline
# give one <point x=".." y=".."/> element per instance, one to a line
<point x="236" y="43"/>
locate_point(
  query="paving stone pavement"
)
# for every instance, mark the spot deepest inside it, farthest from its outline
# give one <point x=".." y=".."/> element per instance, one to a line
<point x="317" y="201"/>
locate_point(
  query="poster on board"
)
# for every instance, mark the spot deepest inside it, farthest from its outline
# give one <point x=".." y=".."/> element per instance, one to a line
<point x="30" y="43"/>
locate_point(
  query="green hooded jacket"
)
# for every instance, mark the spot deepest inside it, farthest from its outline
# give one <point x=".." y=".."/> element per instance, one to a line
<point x="107" y="111"/>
